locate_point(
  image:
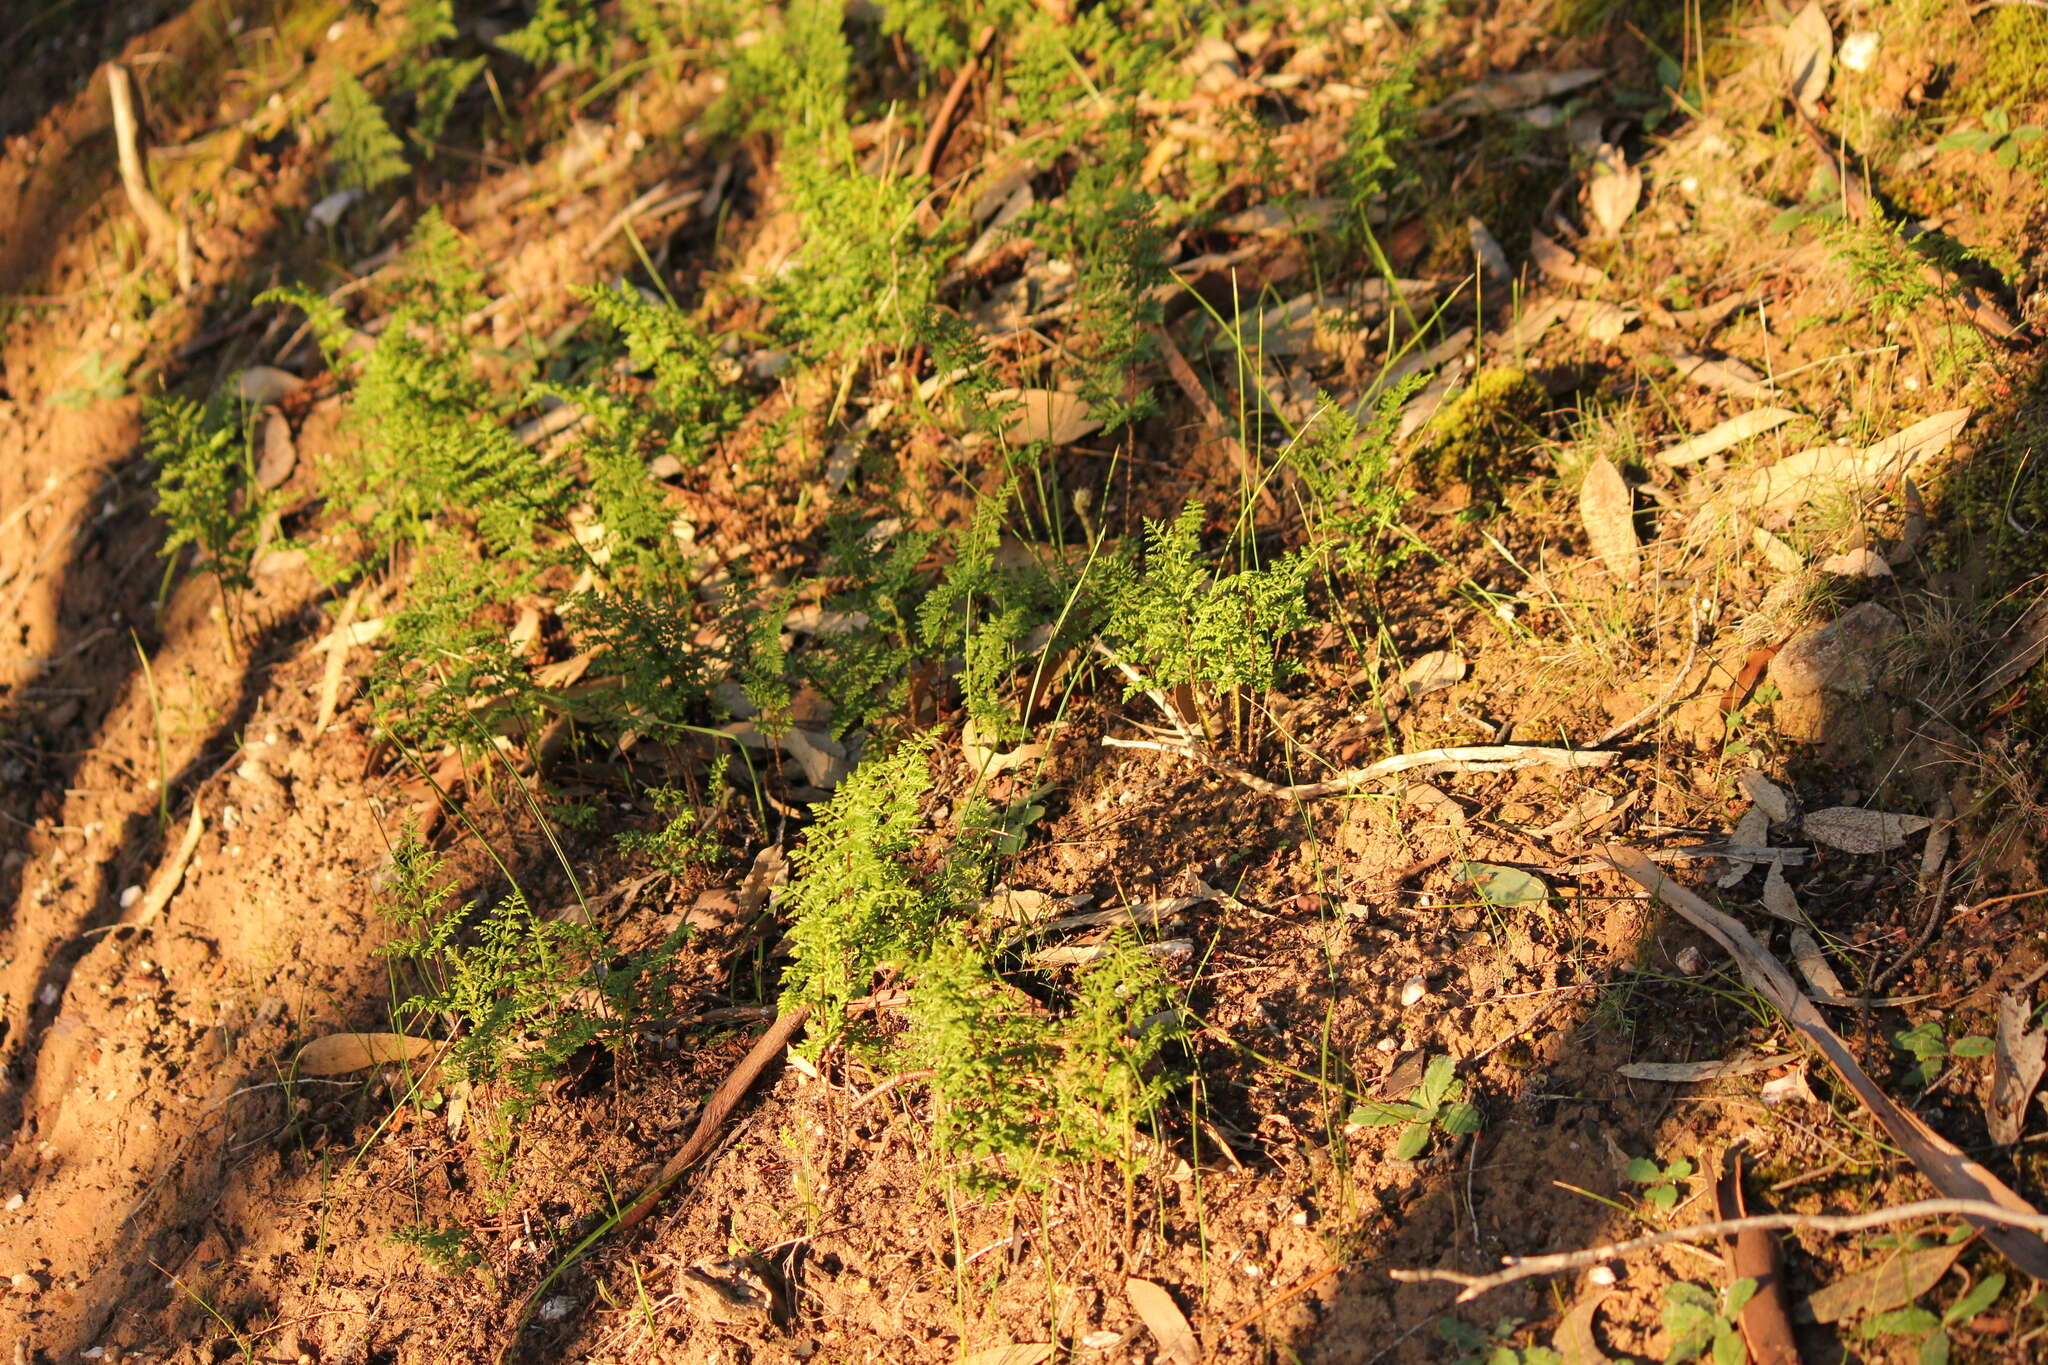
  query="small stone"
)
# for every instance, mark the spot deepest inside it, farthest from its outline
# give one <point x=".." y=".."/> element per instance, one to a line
<point x="1689" y="960"/>
<point x="1601" y="1275"/>
<point x="1412" y="990"/>
<point x="1388" y="1046"/>
<point x="22" y="1282"/>
<point x="558" y="1308"/>
<point x="130" y="896"/>
<point x="15" y="1201"/>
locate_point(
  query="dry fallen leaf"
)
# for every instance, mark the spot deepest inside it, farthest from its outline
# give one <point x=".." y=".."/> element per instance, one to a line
<point x="982" y="757"/>
<point x="1752" y="830"/>
<point x="1861" y="563"/>
<point x="278" y="456"/>
<point x="1724" y="373"/>
<point x="1778" y="898"/>
<point x="1614" y="189"/>
<point x="1595" y="320"/>
<point x="1813" y="965"/>
<point x="1894" y="1283"/>
<point x="1823" y="470"/>
<point x="1607" y="511"/>
<point x="1753" y="1255"/>
<point x="1431" y="672"/>
<point x="340" y="1053"/>
<point x="1020" y="1353"/>
<point x="1169" y="1326"/>
<point x="1856" y="830"/>
<point x="2017" y="1064"/>
<point x="263" y="385"/>
<point x="1808" y="48"/>
<point x="1769" y="797"/>
<point x="1732" y="432"/>
<point x="1686" y="1073"/>
<point x="1047" y="415"/>
<point x="1518" y="91"/>
<point x="164" y="884"/>
<point x="1492" y="259"/>
<point x="1575" y="1341"/>
<point x="1555" y="261"/>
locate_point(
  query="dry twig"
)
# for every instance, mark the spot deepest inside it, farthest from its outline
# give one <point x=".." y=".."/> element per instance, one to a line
<point x="1529" y="1267"/>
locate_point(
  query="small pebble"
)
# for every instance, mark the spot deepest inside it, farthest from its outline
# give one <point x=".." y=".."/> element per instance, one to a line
<point x="1600" y="1274"/>
<point x="23" y="1282"/>
<point x="15" y="1201"/>
<point x="1412" y="990"/>
<point x="130" y="896"/>
<point x="1689" y="960"/>
<point x="555" y="1309"/>
<point x="1388" y="1046"/>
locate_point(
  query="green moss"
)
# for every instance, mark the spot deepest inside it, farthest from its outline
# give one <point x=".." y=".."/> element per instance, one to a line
<point x="1481" y="434"/>
<point x="2009" y="72"/>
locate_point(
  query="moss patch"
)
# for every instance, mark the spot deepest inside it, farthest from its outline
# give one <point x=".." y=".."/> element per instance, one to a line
<point x="1481" y="435"/>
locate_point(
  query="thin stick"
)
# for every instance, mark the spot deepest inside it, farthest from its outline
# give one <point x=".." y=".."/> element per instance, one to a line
<point x="1692" y="650"/>
<point x="1529" y="1267"/>
<point x="164" y="884"/>
<point x="942" y="122"/>
<point x="156" y="220"/>
<point x="1484" y="758"/>
<point x="712" y="1121"/>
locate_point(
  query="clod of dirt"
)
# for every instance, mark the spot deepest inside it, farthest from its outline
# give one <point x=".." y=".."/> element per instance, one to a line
<point x="1822" y="674"/>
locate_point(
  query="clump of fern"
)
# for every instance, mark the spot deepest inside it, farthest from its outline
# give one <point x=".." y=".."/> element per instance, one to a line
<point x="366" y="152"/>
<point x="1184" y="625"/>
<point x="560" y="33"/>
<point x="856" y="906"/>
<point x="431" y="442"/>
<point x="1024" y="1091"/>
<point x="983" y="609"/>
<point x="524" y="992"/>
<point x="206" y="488"/>
<point x="1345" y="466"/>
<point x="1110" y="231"/>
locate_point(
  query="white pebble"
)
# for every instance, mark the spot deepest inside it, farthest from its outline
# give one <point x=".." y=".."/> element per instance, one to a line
<point x="1412" y="990"/>
<point x="1858" y="50"/>
<point x="49" y="994"/>
<point x="130" y="896"/>
<point x="1388" y="1046"/>
<point x="15" y="1201"/>
<point x="1600" y="1274"/>
<point x="23" y="1282"/>
<point x="1689" y="960"/>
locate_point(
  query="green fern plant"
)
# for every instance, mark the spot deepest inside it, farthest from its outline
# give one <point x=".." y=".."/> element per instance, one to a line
<point x="560" y="33"/>
<point x="206" y="488"/>
<point x="855" y="905"/>
<point x="366" y="152"/>
<point x="524" y="992"/>
<point x="1185" y="626"/>
<point x="1023" y="1092"/>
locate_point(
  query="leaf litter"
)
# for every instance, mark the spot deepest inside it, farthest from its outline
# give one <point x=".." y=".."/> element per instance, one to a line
<point x="1103" y="822"/>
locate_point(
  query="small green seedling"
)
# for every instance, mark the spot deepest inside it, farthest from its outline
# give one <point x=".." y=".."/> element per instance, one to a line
<point x="1492" y="1345"/>
<point x="1661" y="1182"/>
<point x="1702" y="1323"/>
<point x="1931" y="1048"/>
<point x="1922" y="1325"/>
<point x="1998" y="137"/>
<point x="1436" y="1103"/>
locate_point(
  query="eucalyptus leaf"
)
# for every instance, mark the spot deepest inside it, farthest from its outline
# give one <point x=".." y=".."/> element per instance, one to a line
<point x="1505" y="886"/>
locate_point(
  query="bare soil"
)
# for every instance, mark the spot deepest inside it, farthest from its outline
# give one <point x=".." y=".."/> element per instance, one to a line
<point x="172" y="1191"/>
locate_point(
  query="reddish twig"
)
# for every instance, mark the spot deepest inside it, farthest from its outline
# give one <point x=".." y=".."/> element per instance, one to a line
<point x="942" y="122"/>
